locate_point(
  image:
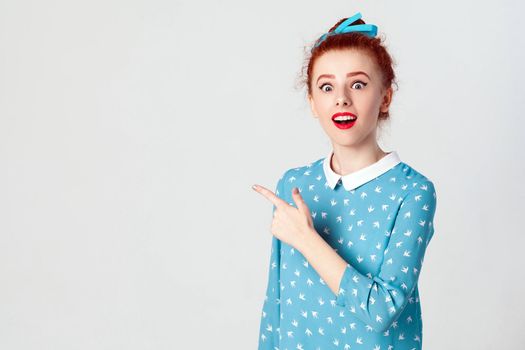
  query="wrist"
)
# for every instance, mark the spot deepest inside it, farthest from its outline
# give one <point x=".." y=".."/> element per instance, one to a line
<point x="309" y="240"/>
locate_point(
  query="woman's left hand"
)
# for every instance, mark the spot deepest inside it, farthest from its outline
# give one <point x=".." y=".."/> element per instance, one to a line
<point x="291" y="225"/>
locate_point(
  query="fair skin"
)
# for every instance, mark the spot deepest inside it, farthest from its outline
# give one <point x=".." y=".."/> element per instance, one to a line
<point x="362" y="94"/>
<point x="336" y="87"/>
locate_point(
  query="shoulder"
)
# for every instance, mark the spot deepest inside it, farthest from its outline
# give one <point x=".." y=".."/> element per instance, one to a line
<point x="298" y="175"/>
<point x="418" y="185"/>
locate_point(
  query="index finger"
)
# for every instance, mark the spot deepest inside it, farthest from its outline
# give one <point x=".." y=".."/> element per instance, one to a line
<point x="268" y="194"/>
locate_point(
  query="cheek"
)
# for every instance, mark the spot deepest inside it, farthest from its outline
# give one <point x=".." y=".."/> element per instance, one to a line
<point x="326" y="102"/>
<point x="370" y="104"/>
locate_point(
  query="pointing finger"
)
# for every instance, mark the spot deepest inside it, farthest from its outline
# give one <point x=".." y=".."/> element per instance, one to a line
<point x="268" y="194"/>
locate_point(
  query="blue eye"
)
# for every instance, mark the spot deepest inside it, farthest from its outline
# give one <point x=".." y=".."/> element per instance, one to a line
<point x="361" y="83"/>
<point x="321" y="87"/>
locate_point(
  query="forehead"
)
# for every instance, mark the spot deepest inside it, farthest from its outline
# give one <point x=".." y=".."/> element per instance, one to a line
<point x="340" y="62"/>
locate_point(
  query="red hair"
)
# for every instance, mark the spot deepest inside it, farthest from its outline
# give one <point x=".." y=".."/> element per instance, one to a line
<point x="374" y="47"/>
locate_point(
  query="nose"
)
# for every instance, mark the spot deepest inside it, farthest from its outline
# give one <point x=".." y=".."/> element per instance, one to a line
<point x="343" y="100"/>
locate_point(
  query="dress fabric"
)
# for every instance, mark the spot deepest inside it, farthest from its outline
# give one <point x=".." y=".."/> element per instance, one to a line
<point x="379" y="219"/>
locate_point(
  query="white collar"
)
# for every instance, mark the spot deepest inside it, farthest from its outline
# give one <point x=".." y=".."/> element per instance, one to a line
<point x="361" y="176"/>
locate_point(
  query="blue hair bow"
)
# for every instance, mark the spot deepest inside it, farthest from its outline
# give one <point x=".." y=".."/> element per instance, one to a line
<point x="346" y="27"/>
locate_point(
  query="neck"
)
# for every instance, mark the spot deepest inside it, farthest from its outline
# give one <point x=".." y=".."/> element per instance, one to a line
<point x="346" y="159"/>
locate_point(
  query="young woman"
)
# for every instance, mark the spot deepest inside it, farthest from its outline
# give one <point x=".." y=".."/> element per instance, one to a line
<point x="350" y="230"/>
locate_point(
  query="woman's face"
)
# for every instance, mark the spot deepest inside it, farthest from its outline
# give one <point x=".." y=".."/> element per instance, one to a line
<point x="348" y="81"/>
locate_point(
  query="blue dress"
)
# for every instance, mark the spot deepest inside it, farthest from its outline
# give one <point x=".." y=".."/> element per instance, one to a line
<point x="379" y="220"/>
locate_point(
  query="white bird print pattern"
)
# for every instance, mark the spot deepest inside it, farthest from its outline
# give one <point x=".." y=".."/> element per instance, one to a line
<point x="379" y="220"/>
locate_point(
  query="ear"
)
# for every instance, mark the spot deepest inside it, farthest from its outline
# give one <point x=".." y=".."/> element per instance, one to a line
<point x="312" y="106"/>
<point x="387" y="99"/>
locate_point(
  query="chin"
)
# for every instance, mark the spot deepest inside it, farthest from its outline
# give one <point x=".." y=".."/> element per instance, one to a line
<point x="344" y="141"/>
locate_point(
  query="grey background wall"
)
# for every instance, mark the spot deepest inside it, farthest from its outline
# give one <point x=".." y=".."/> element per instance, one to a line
<point x="131" y="132"/>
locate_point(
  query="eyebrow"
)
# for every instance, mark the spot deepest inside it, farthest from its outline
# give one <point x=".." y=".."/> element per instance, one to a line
<point x="347" y="75"/>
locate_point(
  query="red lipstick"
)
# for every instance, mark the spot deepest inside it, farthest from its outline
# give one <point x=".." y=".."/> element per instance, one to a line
<point x="344" y="123"/>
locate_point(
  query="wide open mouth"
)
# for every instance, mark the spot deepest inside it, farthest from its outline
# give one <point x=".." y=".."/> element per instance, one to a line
<point x="344" y="122"/>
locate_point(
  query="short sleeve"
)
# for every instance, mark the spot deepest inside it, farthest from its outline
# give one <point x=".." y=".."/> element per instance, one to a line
<point x="378" y="301"/>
